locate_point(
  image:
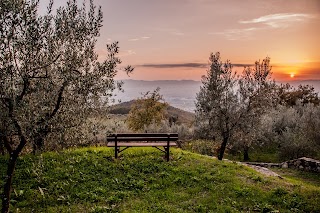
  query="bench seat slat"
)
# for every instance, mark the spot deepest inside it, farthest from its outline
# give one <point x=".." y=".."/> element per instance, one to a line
<point x="143" y="135"/>
<point x="142" y="139"/>
<point x="122" y="144"/>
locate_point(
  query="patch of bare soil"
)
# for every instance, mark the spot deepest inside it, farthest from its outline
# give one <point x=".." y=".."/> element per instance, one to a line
<point x="263" y="170"/>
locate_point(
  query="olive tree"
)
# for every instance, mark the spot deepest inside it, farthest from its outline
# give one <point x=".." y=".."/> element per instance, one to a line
<point x="217" y="103"/>
<point x="257" y="95"/>
<point x="228" y="105"/>
<point x="147" y="110"/>
<point x="50" y="76"/>
<point x="291" y="96"/>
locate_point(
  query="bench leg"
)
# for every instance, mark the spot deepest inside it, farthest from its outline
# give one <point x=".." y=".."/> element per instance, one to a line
<point x="167" y="152"/>
<point x="116" y="152"/>
<point x="168" y="149"/>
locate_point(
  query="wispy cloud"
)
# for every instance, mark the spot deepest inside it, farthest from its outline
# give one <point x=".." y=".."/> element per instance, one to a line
<point x="126" y="53"/>
<point x="271" y="21"/>
<point x="237" y="34"/>
<point x="109" y="41"/>
<point x="279" y="20"/>
<point x="186" y="65"/>
<point x="140" y="38"/>
<point x="172" y="31"/>
<point x="177" y="33"/>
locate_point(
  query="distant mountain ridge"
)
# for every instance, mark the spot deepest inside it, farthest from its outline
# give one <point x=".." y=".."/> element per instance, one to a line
<point x="180" y="93"/>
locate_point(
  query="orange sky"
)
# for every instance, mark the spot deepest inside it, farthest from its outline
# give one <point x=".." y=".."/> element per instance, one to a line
<point x="172" y="39"/>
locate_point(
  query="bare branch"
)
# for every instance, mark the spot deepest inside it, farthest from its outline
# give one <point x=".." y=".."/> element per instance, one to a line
<point x="7" y="144"/>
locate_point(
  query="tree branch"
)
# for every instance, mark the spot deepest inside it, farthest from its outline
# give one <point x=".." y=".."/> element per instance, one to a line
<point x="23" y="140"/>
<point x="59" y="100"/>
<point x="26" y="84"/>
<point x="42" y="67"/>
<point x="56" y="107"/>
<point x="7" y="144"/>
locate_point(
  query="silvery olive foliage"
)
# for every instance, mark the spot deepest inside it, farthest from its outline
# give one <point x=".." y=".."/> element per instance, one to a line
<point x="217" y="103"/>
<point x="228" y="105"/>
<point x="51" y="80"/>
<point x="147" y="110"/>
<point x="293" y="130"/>
<point x="185" y="133"/>
<point x="257" y="95"/>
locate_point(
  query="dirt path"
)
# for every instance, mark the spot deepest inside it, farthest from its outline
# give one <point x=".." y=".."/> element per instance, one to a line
<point x="263" y="170"/>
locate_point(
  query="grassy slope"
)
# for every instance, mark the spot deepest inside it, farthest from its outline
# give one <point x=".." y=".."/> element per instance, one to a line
<point x="89" y="180"/>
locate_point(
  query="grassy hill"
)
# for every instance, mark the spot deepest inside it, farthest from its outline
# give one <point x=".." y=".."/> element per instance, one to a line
<point x="90" y="180"/>
<point x="183" y="116"/>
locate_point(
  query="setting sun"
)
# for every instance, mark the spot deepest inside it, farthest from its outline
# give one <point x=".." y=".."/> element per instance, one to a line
<point x="292" y="75"/>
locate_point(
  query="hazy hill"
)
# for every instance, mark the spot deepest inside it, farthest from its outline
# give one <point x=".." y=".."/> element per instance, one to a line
<point x="180" y="94"/>
<point x="183" y="116"/>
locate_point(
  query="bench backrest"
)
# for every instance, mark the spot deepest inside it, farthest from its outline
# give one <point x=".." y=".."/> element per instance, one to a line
<point x="143" y="137"/>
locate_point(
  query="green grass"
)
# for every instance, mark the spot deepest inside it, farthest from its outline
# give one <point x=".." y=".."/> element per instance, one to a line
<point x="300" y="177"/>
<point x="257" y="156"/>
<point x="90" y="180"/>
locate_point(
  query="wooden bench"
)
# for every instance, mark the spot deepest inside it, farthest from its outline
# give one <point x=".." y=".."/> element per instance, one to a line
<point x="155" y="140"/>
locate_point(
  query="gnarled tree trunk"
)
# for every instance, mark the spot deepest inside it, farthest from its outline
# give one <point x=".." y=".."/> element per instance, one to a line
<point x="246" y="153"/>
<point x="8" y="182"/>
<point x="223" y="145"/>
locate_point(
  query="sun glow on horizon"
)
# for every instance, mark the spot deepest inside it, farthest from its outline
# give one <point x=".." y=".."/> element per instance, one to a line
<point x="292" y="75"/>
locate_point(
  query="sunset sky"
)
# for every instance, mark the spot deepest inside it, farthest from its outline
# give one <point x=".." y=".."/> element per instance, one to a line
<point x="172" y="39"/>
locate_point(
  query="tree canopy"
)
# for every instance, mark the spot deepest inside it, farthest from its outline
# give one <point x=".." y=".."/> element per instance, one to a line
<point x="147" y="110"/>
<point x="51" y="78"/>
<point x="228" y="103"/>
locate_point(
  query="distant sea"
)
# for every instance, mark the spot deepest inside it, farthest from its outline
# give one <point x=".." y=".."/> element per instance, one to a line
<point x="180" y="94"/>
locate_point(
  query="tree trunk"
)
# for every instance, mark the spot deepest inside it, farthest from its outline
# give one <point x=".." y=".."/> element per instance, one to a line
<point x="223" y="146"/>
<point x="38" y="144"/>
<point x="8" y="182"/>
<point x="1" y="145"/>
<point x="246" y="153"/>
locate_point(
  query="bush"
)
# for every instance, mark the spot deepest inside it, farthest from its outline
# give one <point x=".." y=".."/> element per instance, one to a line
<point x="203" y="147"/>
<point x="294" y="130"/>
<point x="185" y="133"/>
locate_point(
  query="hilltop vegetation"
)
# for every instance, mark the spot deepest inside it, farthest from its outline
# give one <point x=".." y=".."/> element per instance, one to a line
<point x="89" y="180"/>
<point x="183" y="117"/>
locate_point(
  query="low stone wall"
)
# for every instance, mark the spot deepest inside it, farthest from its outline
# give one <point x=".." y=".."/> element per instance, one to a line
<point x="266" y="165"/>
<point x="305" y="164"/>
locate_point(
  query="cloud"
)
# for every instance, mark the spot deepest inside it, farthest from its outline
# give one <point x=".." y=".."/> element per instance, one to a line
<point x="171" y="31"/>
<point x="109" y="41"/>
<point x="271" y="21"/>
<point x="177" y="33"/>
<point x="279" y="20"/>
<point x="186" y="65"/>
<point x="242" y="65"/>
<point x="140" y="38"/>
<point x="237" y="34"/>
<point x="126" y="53"/>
